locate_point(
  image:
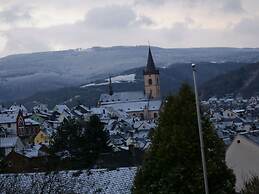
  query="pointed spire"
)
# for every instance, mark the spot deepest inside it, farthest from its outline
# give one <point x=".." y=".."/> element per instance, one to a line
<point x="110" y="86"/>
<point x="150" y="68"/>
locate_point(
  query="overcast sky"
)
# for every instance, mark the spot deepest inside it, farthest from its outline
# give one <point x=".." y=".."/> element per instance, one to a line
<point x="42" y="25"/>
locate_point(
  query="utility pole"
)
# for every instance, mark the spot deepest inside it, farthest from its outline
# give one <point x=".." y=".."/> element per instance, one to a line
<point x="200" y="131"/>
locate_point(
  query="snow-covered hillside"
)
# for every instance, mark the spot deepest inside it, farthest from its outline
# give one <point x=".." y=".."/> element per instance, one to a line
<point x="117" y="79"/>
<point x="26" y="74"/>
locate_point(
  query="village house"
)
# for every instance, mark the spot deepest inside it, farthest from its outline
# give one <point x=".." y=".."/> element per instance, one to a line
<point x="44" y="136"/>
<point x="7" y="144"/>
<point x="32" y="128"/>
<point x="26" y="161"/>
<point x="13" y="123"/>
<point x="18" y="108"/>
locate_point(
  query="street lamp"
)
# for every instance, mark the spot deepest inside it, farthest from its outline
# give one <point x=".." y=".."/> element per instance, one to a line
<point x="200" y="131"/>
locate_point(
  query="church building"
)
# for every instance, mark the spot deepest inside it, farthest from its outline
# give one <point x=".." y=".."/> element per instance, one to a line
<point x="145" y="104"/>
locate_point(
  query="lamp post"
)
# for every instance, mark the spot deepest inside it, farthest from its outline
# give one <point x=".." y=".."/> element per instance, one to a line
<point x="200" y="132"/>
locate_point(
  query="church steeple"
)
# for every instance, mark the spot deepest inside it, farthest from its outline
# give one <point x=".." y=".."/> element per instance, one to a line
<point x="110" y="86"/>
<point x="151" y="78"/>
<point x="150" y="67"/>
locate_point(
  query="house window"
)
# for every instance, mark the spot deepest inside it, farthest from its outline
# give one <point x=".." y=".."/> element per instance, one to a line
<point x="10" y="164"/>
<point x="150" y="81"/>
<point x="9" y="125"/>
<point x="155" y="115"/>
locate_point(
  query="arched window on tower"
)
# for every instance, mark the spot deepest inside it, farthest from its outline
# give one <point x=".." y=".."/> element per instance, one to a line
<point x="150" y="81"/>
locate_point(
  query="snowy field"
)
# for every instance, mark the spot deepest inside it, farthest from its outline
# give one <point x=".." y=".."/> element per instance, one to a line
<point x="117" y="79"/>
<point x="103" y="181"/>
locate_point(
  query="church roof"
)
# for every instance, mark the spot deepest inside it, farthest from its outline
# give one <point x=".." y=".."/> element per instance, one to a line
<point x="150" y="68"/>
<point x="122" y="97"/>
<point x="8" y="118"/>
<point x="153" y="105"/>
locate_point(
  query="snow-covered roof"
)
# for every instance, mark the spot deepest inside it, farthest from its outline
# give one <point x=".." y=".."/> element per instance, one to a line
<point x="101" y="181"/>
<point x="153" y="105"/>
<point x="143" y="125"/>
<point x="61" y="108"/>
<point x="48" y="131"/>
<point x="98" y="111"/>
<point x="78" y="113"/>
<point x="8" y="118"/>
<point x="239" y="111"/>
<point x="40" y="107"/>
<point x="33" y="151"/>
<point x="84" y="107"/>
<point x="122" y="97"/>
<point x="8" y="142"/>
<point x="29" y="121"/>
<point x="18" y="108"/>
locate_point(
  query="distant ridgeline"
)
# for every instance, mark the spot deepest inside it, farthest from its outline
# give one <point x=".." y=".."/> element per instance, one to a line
<point x="54" y="77"/>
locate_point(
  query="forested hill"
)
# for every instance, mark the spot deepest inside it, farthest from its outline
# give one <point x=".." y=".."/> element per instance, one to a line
<point x="244" y="81"/>
<point x="24" y="75"/>
<point x="171" y="79"/>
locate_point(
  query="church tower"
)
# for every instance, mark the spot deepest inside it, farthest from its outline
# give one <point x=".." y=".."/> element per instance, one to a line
<point x="151" y="78"/>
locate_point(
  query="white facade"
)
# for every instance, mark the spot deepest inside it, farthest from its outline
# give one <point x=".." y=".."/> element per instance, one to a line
<point x="243" y="157"/>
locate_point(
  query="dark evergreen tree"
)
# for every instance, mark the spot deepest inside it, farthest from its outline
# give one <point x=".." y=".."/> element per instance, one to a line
<point x="80" y="142"/>
<point x="1" y="160"/>
<point x="94" y="140"/>
<point x="173" y="162"/>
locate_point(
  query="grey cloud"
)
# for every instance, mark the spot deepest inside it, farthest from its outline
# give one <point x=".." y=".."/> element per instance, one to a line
<point x="233" y="6"/>
<point x="248" y="26"/>
<point x="113" y="16"/>
<point x="14" y="14"/>
<point x="144" y="20"/>
<point x="79" y="35"/>
<point x="226" y="6"/>
<point x="150" y="2"/>
<point x="25" y="40"/>
<point x="120" y="25"/>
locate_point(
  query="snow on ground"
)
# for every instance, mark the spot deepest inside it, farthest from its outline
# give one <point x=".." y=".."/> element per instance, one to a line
<point x="103" y="181"/>
<point x="116" y="79"/>
<point x="123" y="78"/>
